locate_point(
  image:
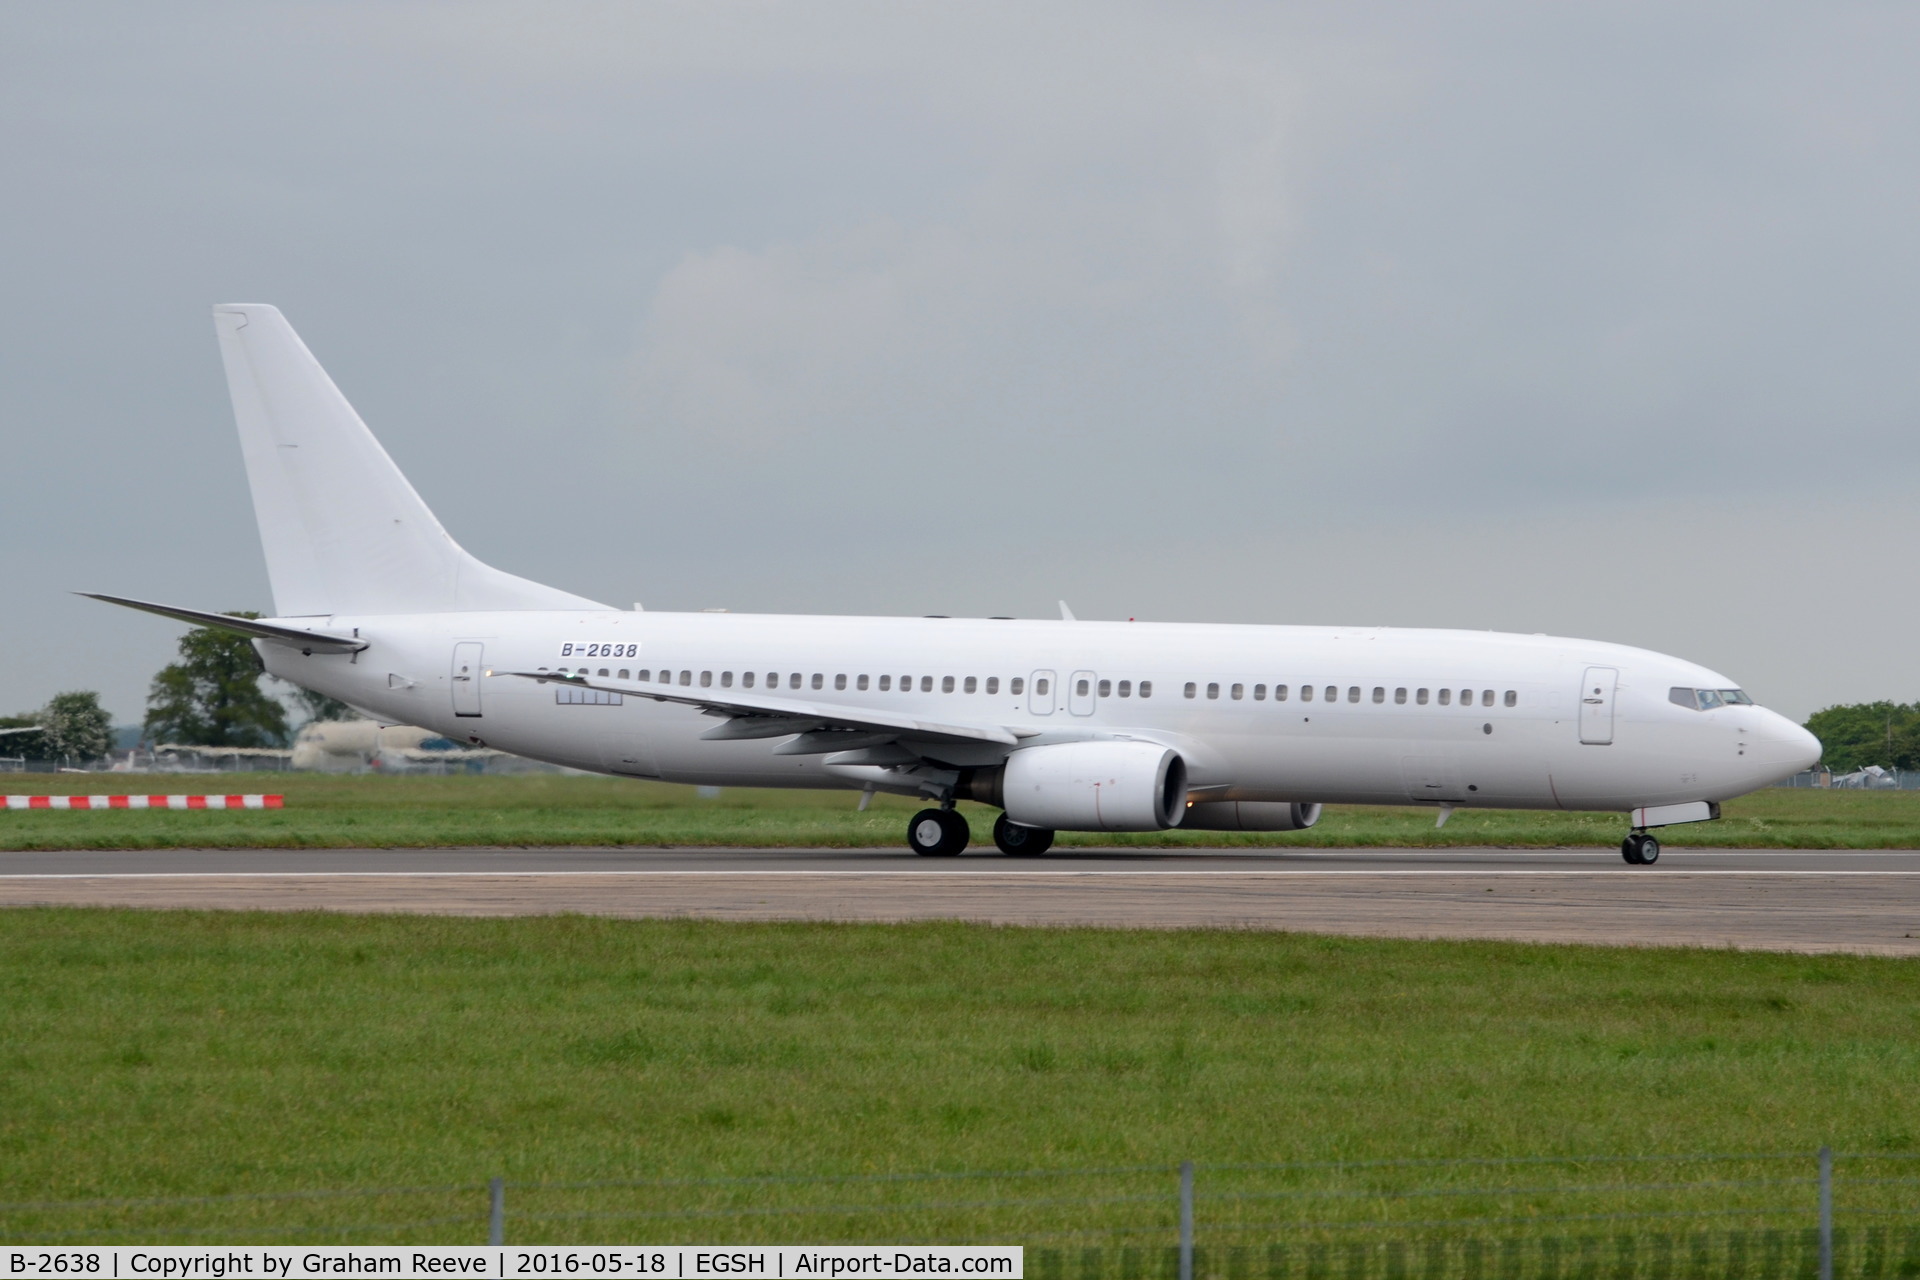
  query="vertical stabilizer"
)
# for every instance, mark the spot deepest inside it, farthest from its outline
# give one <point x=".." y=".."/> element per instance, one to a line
<point x="342" y="529"/>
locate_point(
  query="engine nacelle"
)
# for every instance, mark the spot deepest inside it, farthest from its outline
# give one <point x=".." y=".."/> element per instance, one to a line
<point x="1250" y="815"/>
<point x="1089" y="786"/>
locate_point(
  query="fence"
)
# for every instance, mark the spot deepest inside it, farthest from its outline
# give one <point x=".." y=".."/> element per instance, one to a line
<point x="1551" y="1217"/>
<point x="1873" y="779"/>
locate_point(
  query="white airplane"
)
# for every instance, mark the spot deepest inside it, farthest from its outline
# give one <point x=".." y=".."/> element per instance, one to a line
<point x="1067" y="725"/>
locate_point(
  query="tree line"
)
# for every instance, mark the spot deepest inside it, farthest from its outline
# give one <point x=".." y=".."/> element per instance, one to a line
<point x="1863" y="733"/>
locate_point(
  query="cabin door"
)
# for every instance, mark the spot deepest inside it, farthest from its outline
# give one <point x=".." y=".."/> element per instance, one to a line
<point x="1040" y="693"/>
<point x="1596" y="705"/>
<point x="466" y="678"/>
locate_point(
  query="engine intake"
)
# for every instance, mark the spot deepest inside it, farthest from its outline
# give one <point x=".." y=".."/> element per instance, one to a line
<point x="1086" y="786"/>
<point x="1250" y="815"/>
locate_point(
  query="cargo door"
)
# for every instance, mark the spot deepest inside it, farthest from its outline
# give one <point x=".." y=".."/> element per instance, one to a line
<point x="466" y="678"/>
<point x="1080" y="693"/>
<point x="1596" y="705"/>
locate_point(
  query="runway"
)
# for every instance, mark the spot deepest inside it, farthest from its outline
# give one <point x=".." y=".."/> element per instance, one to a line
<point x="1771" y="899"/>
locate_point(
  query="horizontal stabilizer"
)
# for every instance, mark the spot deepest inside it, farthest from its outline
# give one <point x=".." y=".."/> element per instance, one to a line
<point x="306" y="639"/>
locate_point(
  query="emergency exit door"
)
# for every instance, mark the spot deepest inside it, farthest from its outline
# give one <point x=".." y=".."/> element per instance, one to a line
<point x="1596" y="705"/>
<point x="466" y="678"/>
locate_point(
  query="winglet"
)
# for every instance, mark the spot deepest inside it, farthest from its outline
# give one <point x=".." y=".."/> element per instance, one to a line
<point x="1066" y="614"/>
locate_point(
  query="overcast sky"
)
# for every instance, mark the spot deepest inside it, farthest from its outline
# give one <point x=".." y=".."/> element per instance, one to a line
<point x="1590" y="319"/>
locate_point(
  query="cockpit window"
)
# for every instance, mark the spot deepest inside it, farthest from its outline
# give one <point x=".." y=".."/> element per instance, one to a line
<point x="1708" y="699"/>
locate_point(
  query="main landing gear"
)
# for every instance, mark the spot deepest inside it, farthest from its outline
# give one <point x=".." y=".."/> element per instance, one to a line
<point x="937" y="833"/>
<point x="1017" y="841"/>
<point x="1640" y="849"/>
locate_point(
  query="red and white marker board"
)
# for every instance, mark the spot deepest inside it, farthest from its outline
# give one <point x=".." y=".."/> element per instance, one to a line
<point x="145" y="802"/>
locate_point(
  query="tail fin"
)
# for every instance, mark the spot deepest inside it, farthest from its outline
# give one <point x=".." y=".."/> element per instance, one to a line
<point x="342" y="529"/>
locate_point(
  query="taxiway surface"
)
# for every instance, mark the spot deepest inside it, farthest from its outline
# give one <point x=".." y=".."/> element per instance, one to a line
<point x="1774" y="899"/>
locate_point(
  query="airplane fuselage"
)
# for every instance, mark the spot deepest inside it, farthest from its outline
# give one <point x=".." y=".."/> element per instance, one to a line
<point x="1259" y="713"/>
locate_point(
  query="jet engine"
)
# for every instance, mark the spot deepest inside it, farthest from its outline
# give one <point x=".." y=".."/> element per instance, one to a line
<point x="1086" y="786"/>
<point x="1250" y="815"/>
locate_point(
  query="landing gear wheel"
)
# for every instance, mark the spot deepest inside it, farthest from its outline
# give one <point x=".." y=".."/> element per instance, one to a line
<point x="1640" y="849"/>
<point x="937" y="833"/>
<point x="1017" y="841"/>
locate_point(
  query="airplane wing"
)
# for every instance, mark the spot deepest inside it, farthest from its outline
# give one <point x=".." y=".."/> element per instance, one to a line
<point x="823" y="726"/>
<point x="307" y="639"/>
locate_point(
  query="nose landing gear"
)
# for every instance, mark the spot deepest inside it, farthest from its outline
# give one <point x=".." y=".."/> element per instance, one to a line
<point x="1640" y="849"/>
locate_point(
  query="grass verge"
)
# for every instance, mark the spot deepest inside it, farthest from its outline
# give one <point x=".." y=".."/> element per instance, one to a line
<point x="158" y="1054"/>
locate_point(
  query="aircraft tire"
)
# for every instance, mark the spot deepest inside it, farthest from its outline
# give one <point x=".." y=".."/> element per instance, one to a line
<point x="937" y="833"/>
<point x="1017" y="841"/>
<point x="1640" y="849"/>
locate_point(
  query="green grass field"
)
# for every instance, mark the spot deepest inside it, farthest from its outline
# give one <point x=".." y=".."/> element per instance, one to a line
<point x="344" y="811"/>
<point x="164" y="1054"/>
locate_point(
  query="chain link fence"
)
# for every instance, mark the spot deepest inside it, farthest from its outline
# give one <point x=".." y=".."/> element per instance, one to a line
<point x="1556" y="1218"/>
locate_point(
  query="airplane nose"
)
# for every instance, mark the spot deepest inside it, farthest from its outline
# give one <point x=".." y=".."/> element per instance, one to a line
<point x="1789" y="746"/>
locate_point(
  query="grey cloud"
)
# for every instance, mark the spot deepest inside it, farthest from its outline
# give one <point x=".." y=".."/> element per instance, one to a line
<point x="1479" y="315"/>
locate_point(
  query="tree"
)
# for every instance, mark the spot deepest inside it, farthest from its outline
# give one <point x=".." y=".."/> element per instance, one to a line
<point x="76" y="726"/>
<point x="27" y="739"/>
<point x="1864" y="733"/>
<point x="212" y="696"/>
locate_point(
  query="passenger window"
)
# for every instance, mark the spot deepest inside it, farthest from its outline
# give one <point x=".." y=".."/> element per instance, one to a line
<point x="1017" y="685"/>
<point x="1353" y="693"/>
<point x="706" y="679"/>
<point x="1306" y="693"/>
<point x="1213" y="690"/>
<point x="818" y="680"/>
<point x="686" y="678"/>
<point x="1146" y="688"/>
<point x="1421" y="697"/>
<point x="1040" y="687"/>
<point x="1466" y="697"/>
<point x="1400" y="696"/>
<point x="1446" y="697"/>
<point x="1106" y="688"/>
<point x="886" y="683"/>
<point x="840" y="682"/>
<point x="993" y="684"/>
<point x="946" y="684"/>
<point x="1238" y="692"/>
<point x="1126" y="688"/>
<point x="1486" y="697"/>
<point x="861" y="684"/>
<point x="726" y="679"/>
<point x="906" y="684"/>
<point x="1279" y="693"/>
<point x="971" y="684"/>
<point x="1081" y="688"/>
<point x="623" y="673"/>
<point x="645" y="675"/>
<point x="603" y="671"/>
<point x="793" y="681"/>
<point x="1331" y="694"/>
<point x="1379" y="694"/>
<point x="1512" y="697"/>
<point x="926" y="684"/>
<point x="1192" y="689"/>
<point x="746" y="679"/>
<point x="1259" y="693"/>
